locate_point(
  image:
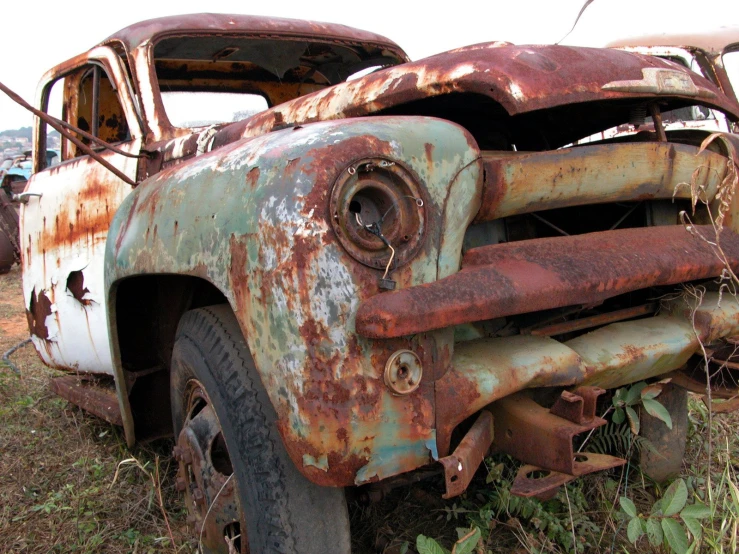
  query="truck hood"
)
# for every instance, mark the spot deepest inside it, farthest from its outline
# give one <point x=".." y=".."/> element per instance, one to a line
<point x="517" y="79"/>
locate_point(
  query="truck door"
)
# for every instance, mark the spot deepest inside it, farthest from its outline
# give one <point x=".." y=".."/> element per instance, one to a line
<point x="70" y="204"/>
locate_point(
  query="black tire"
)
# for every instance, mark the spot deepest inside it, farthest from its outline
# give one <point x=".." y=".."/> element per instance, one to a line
<point x="281" y="510"/>
<point x="666" y="462"/>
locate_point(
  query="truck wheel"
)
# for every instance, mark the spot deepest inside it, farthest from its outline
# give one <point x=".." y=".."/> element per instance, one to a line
<point x="238" y="479"/>
<point x="669" y="444"/>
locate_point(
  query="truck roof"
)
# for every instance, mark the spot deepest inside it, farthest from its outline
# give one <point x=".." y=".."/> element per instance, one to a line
<point x="714" y="41"/>
<point x="267" y="27"/>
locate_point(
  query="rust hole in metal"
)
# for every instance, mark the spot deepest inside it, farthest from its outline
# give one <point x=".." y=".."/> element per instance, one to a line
<point x="454" y="478"/>
<point x="76" y="285"/>
<point x="580" y="458"/>
<point x="538" y="474"/>
<point x="219" y="456"/>
<point x="39" y="309"/>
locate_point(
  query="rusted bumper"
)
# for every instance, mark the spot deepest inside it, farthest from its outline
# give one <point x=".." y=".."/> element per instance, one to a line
<point x="528" y="276"/>
<point x="487" y="370"/>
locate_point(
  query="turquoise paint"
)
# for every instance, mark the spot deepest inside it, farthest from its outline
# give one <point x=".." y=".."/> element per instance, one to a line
<point x="297" y="279"/>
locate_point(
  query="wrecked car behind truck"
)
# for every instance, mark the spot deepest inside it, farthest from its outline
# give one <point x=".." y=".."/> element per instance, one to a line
<point x="373" y="276"/>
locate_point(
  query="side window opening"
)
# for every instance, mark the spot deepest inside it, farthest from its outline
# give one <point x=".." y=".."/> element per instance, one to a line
<point x="98" y="110"/>
<point x="87" y="99"/>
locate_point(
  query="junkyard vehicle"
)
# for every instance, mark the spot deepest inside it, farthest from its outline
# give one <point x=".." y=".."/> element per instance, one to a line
<point x="705" y="53"/>
<point x="370" y="276"/>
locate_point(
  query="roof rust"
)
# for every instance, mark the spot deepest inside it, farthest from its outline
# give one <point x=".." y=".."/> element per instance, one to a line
<point x="137" y="34"/>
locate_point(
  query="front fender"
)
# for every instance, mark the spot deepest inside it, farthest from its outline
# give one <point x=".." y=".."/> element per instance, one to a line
<point x="253" y="219"/>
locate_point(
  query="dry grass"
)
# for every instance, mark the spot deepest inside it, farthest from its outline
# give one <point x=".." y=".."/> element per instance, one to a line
<point x="57" y="464"/>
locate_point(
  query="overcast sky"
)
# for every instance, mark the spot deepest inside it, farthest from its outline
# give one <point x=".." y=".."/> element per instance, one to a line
<point x="36" y="35"/>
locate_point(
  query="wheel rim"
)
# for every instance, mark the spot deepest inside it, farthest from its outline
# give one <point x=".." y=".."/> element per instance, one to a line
<point x="205" y="475"/>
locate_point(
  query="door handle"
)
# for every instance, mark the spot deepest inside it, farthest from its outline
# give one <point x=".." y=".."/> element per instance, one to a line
<point x="23" y="197"/>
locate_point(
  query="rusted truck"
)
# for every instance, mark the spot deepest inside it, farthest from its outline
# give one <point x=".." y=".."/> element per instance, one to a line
<point x="391" y="268"/>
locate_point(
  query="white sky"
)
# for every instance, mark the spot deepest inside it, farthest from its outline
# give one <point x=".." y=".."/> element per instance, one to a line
<point x="36" y="35"/>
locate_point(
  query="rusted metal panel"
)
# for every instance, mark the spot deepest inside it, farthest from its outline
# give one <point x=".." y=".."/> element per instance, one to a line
<point x="91" y="395"/>
<point x="521" y="79"/>
<point x="460" y="467"/>
<point x="63" y="239"/>
<point x="534" y="481"/>
<point x="630" y="351"/>
<point x="713" y="315"/>
<point x="138" y="41"/>
<point x="487" y="370"/>
<point x="64" y="227"/>
<point x="295" y="289"/>
<point x="142" y="32"/>
<point x="528" y="276"/>
<point x="531" y="433"/>
<point x="519" y="182"/>
<point x="593" y="321"/>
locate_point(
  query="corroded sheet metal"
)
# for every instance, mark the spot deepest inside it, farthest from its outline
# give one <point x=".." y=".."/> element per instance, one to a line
<point x="539" y="274"/>
<point x="520" y="182"/>
<point x="531" y="433"/>
<point x="535" y="481"/>
<point x="625" y="352"/>
<point x="487" y="370"/>
<point x="295" y="289"/>
<point x="460" y="467"/>
<point x="714" y="315"/>
<point x="520" y="78"/>
<point x="63" y="240"/>
<point x="90" y="395"/>
<point x="213" y="23"/>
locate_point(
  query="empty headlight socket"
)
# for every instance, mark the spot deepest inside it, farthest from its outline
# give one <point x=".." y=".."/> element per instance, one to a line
<point x="378" y="214"/>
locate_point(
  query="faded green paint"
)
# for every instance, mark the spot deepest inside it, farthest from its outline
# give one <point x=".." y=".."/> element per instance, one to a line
<point x="525" y="182"/>
<point x="612" y="356"/>
<point x="252" y="218"/>
<point x="626" y="352"/>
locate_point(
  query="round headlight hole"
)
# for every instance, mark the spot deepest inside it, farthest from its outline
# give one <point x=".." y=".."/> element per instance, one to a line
<point x="385" y="201"/>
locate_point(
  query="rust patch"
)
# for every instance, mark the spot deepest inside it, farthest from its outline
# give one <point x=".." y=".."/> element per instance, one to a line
<point x="38" y="310"/>
<point x="252" y="178"/>
<point x="454" y="395"/>
<point x="94" y="191"/>
<point x="86" y="225"/>
<point x="527" y="276"/>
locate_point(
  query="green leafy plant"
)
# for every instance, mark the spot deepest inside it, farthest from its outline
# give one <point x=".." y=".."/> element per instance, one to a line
<point x="625" y="399"/>
<point x="466" y="544"/>
<point x="551" y="521"/>
<point x="662" y="526"/>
